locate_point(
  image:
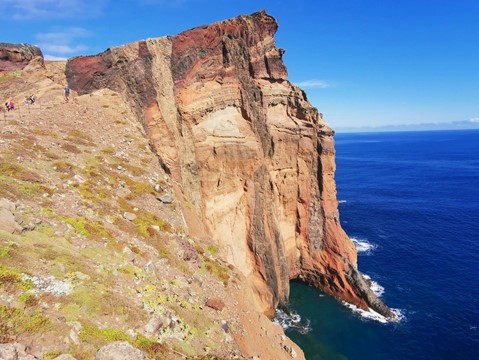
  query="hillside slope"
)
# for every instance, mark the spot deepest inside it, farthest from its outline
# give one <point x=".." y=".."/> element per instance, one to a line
<point x="88" y="254"/>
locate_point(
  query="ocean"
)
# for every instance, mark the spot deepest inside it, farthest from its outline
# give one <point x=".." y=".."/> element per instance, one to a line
<point x="410" y="202"/>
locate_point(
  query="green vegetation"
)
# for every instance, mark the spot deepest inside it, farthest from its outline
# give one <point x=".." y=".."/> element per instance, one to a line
<point x="146" y="221"/>
<point x="7" y="76"/>
<point x="79" y="135"/>
<point x="18" y="172"/>
<point x="7" y="250"/>
<point x="108" y="150"/>
<point x="14" y="322"/>
<point x="86" y="227"/>
<point x="132" y="270"/>
<point x="99" y="337"/>
<point x="217" y="270"/>
<point x="44" y="132"/>
<point x="12" y="278"/>
<point x="51" y="355"/>
<point x="213" y="249"/>
<point x="48" y="212"/>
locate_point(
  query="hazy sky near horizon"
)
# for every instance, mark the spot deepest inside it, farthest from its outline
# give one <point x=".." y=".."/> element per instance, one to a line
<point x="362" y="63"/>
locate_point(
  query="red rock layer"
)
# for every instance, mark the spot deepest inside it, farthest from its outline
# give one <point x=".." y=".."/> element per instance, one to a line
<point x="18" y="56"/>
<point x="245" y="146"/>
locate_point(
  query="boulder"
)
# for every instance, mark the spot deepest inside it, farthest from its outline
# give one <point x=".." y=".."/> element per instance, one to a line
<point x="129" y="216"/>
<point x="119" y="350"/>
<point x="8" y="221"/>
<point x="14" y="351"/>
<point x="165" y="199"/>
<point x="215" y="303"/>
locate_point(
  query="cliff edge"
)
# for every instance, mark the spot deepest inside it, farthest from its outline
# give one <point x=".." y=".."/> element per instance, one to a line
<point x="249" y="152"/>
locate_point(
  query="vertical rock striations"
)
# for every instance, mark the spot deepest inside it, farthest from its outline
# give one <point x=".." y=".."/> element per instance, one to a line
<point x="247" y="148"/>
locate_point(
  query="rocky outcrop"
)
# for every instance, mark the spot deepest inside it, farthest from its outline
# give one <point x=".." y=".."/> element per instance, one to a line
<point x="248" y="150"/>
<point x="8" y="221"/>
<point x="18" y="56"/>
<point x="14" y="351"/>
<point x="119" y="350"/>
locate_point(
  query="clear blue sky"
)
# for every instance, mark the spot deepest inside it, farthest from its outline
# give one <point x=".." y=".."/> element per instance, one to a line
<point x="370" y="62"/>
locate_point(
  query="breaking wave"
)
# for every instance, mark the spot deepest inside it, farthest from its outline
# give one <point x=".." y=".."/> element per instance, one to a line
<point x="363" y="246"/>
<point x="375" y="316"/>
<point x="292" y="321"/>
<point x="377" y="289"/>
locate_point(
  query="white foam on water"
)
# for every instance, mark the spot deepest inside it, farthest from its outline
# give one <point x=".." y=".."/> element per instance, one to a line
<point x="375" y="316"/>
<point x="292" y="321"/>
<point x="377" y="289"/>
<point x="363" y="246"/>
<point x="342" y="201"/>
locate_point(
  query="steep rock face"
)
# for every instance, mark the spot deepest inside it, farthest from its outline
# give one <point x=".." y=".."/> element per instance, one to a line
<point x="247" y="148"/>
<point x="18" y="56"/>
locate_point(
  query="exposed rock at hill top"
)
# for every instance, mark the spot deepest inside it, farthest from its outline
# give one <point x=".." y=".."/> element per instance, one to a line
<point x="249" y="151"/>
<point x="18" y="56"/>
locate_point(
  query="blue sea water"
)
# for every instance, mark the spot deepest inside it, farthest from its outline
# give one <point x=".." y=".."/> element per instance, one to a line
<point x="411" y="202"/>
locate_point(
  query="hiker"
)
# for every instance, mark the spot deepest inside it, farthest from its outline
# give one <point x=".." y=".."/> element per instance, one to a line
<point x="67" y="93"/>
<point x="30" y="100"/>
<point x="10" y="105"/>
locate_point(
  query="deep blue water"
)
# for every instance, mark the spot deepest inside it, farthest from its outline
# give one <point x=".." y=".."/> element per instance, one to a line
<point x="414" y="197"/>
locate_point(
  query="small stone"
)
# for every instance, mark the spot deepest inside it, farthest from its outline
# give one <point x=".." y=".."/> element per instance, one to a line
<point x="215" y="303"/>
<point x="150" y="267"/>
<point x="157" y="188"/>
<point x="129" y="216"/>
<point x="290" y="351"/>
<point x="78" y="179"/>
<point x="165" y="199"/>
<point x="224" y="326"/>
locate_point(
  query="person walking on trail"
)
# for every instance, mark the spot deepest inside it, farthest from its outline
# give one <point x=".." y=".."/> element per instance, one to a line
<point x="30" y="100"/>
<point x="67" y="93"/>
<point x="10" y="105"/>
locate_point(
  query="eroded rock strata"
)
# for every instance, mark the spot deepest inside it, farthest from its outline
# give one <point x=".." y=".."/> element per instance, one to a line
<point x="246" y="148"/>
<point x="18" y="56"/>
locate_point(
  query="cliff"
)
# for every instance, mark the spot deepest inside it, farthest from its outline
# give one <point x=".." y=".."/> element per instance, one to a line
<point x="95" y="258"/>
<point x="163" y="210"/>
<point x="246" y="149"/>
